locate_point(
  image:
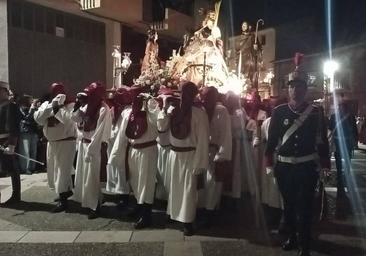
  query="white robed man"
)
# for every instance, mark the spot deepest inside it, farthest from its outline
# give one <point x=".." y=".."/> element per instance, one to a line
<point x="270" y="194"/>
<point x="164" y="173"/>
<point x="188" y="156"/>
<point x="60" y="131"/>
<point x="95" y="123"/>
<point x="135" y="149"/>
<point x="116" y="176"/>
<point x="239" y="117"/>
<point x="220" y="150"/>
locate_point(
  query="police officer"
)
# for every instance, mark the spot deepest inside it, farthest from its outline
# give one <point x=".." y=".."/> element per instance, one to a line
<point x="9" y="132"/>
<point x="297" y="134"/>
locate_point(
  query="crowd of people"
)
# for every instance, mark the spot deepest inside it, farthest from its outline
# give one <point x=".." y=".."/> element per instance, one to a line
<point x="188" y="146"/>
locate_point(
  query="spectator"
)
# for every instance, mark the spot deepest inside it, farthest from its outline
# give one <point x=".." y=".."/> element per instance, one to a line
<point x="28" y="134"/>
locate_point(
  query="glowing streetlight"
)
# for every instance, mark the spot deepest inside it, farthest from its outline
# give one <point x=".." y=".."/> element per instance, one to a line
<point x="330" y="67"/>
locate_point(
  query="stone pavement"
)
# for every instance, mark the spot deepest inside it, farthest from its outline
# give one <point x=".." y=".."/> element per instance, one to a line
<point x="30" y="229"/>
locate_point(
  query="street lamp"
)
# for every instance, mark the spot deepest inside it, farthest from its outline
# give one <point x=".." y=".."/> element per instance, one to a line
<point x="330" y="67"/>
<point x="120" y="68"/>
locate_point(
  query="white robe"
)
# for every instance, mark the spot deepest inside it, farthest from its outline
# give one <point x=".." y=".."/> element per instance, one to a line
<point x="142" y="162"/>
<point x="87" y="178"/>
<point x="163" y="174"/>
<point x="116" y="176"/>
<point x="185" y="166"/>
<point x="270" y="193"/>
<point x="59" y="150"/>
<point x="239" y="159"/>
<point x="220" y="150"/>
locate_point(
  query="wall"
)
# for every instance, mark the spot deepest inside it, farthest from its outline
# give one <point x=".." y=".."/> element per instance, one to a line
<point x="37" y="57"/>
<point x="4" y="73"/>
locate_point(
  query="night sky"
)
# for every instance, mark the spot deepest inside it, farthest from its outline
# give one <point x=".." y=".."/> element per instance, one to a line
<point x="349" y="16"/>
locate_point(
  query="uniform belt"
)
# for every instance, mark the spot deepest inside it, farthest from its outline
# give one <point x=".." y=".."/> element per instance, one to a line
<point x="143" y="145"/>
<point x="4" y="135"/>
<point x="182" y="149"/>
<point x="83" y="140"/>
<point x="297" y="160"/>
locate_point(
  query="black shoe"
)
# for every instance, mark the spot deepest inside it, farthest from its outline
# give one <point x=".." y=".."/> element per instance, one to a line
<point x="188" y="229"/>
<point x="290" y="244"/>
<point x="60" y="207"/>
<point x="93" y="214"/>
<point x="14" y="199"/>
<point x="207" y="220"/>
<point x="135" y="213"/>
<point x="304" y="252"/>
<point x="122" y="205"/>
<point x="65" y="194"/>
<point x="142" y="223"/>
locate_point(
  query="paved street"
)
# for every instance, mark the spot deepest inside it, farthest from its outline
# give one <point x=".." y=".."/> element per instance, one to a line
<point x="30" y="229"/>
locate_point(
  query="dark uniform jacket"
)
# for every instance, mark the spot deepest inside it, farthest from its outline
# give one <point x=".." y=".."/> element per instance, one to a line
<point x="310" y="138"/>
<point x="9" y="122"/>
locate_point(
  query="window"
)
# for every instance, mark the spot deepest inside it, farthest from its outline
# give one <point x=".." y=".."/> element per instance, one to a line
<point x="69" y="27"/>
<point x="28" y="16"/>
<point x="50" y="23"/>
<point x="39" y="19"/>
<point x="16" y="14"/>
<point x="59" y="20"/>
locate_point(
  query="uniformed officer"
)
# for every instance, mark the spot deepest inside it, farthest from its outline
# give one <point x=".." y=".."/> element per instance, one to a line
<point x="297" y="133"/>
<point x="9" y="132"/>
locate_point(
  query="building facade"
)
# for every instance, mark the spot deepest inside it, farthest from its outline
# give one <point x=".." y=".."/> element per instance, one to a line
<point x="43" y="41"/>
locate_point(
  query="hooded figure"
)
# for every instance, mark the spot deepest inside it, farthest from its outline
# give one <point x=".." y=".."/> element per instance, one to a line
<point x="95" y="122"/>
<point x="60" y="131"/>
<point x="116" y="177"/>
<point x="220" y="149"/>
<point x="135" y="150"/>
<point x="188" y="156"/>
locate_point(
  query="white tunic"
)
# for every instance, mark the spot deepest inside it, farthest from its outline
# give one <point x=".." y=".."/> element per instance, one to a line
<point x="142" y="162"/>
<point x="60" y="146"/>
<point x="270" y="193"/>
<point x="116" y="176"/>
<point x="241" y="153"/>
<point x="220" y="150"/>
<point x="185" y="166"/>
<point x="87" y="178"/>
<point x="163" y="175"/>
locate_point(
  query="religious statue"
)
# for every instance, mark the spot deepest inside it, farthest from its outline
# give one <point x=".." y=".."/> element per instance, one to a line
<point x="203" y="62"/>
<point x="151" y="61"/>
<point x="249" y="53"/>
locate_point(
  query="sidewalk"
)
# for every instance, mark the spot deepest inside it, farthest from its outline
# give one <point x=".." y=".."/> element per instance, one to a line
<point x="30" y="229"/>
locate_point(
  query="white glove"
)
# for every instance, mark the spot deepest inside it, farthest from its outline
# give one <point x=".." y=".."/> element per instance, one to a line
<point x="152" y="105"/>
<point x="9" y="150"/>
<point x="88" y="158"/>
<point x="59" y="100"/>
<point x="269" y="170"/>
<point x="256" y="141"/>
<point x="170" y="110"/>
<point x="145" y="95"/>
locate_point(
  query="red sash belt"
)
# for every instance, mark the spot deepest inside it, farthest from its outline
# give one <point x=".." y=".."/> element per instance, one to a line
<point x="182" y="149"/>
<point x="143" y="145"/>
<point x="66" y="139"/>
<point x="83" y="140"/>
